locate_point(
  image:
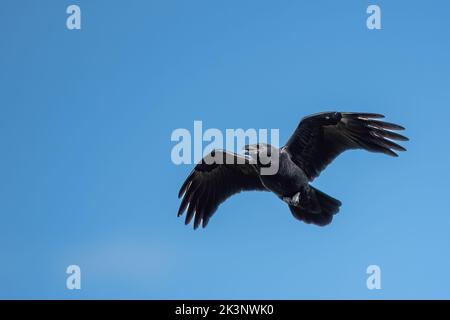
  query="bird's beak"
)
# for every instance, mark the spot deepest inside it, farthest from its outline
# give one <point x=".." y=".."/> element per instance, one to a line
<point x="250" y="148"/>
<point x="247" y="152"/>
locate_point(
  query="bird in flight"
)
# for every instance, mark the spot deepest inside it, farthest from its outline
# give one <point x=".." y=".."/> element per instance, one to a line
<point x="318" y="140"/>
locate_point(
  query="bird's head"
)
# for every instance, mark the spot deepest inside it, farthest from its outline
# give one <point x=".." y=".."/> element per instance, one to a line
<point x="261" y="153"/>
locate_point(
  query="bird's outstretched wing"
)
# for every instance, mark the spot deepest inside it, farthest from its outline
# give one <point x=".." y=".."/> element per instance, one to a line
<point x="212" y="182"/>
<point x="321" y="137"/>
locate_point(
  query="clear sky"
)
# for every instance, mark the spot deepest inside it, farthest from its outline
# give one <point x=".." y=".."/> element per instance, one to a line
<point x="85" y="167"/>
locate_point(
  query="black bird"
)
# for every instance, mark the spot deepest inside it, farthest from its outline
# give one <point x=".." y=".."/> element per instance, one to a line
<point x="317" y="141"/>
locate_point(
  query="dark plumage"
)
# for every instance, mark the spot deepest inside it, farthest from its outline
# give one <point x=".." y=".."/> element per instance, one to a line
<point x="317" y="141"/>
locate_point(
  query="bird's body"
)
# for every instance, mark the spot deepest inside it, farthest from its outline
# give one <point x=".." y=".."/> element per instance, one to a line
<point x="318" y="140"/>
<point x="289" y="178"/>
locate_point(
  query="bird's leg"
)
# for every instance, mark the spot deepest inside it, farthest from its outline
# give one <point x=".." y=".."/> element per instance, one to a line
<point x="292" y="201"/>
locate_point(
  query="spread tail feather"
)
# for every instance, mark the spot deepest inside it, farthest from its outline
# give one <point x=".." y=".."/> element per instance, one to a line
<point x="325" y="207"/>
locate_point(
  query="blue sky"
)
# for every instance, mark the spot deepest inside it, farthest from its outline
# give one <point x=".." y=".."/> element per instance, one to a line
<point x="86" y="174"/>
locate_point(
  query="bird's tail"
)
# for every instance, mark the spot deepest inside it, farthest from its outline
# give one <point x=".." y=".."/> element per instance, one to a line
<point x="324" y="206"/>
